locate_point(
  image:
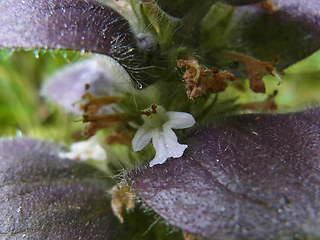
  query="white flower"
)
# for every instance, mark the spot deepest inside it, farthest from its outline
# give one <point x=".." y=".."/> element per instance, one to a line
<point x="84" y="150"/>
<point x="158" y="125"/>
<point x="67" y="86"/>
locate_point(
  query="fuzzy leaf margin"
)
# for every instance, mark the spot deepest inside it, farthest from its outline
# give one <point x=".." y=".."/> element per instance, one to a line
<point x="247" y="177"/>
<point x="85" y="25"/>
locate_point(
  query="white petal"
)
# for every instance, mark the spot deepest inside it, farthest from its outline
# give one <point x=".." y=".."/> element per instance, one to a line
<point x="85" y="150"/>
<point x="166" y="146"/>
<point x="69" y="155"/>
<point x="141" y="138"/>
<point x="98" y="153"/>
<point x="180" y="120"/>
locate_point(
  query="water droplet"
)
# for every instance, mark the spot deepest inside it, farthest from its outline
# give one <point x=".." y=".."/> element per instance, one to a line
<point x="140" y="86"/>
<point x="82" y="51"/>
<point x="19" y="209"/>
<point x="223" y="209"/>
<point x="217" y="160"/>
<point x="82" y="37"/>
<point x="19" y="134"/>
<point x="65" y="55"/>
<point x="36" y="53"/>
<point x="65" y="25"/>
<point x="280" y="210"/>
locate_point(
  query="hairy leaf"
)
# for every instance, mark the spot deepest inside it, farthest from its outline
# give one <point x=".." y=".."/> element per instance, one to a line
<point x="180" y="7"/>
<point x="284" y="29"/>
<point x="69" y="24"/>
<point x="246" y="177"/>
<point x="46" y="197"/>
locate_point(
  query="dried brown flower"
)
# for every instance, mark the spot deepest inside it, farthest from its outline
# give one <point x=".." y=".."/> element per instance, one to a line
<point x="199" y="81"/>
<point x="121" y="196"/>
<point x="255" y="68"/>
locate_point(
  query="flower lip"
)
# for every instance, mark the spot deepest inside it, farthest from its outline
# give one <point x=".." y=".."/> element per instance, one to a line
<point x="158" y="125"/>
<point x="180" y="120"/>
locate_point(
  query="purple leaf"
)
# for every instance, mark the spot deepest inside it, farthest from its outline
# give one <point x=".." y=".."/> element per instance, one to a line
<point x="46" y="197"/>
<point x="69" y="24"/>
<point x="303" y="10"/>
<point x="74" y="24"/>
<point x="179" y="8"/>
<point x="245" y="177"/>
<point x="291" y="31"/>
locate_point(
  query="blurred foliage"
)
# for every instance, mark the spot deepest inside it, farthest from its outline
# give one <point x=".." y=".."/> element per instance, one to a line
<point x="22" y="109"/>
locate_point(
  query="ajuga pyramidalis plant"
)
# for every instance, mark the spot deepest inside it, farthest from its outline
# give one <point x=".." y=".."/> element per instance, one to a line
<point x="159" y="90"/>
